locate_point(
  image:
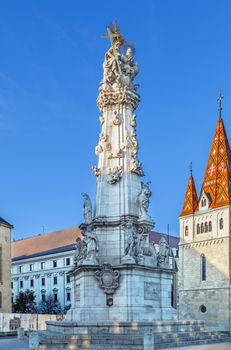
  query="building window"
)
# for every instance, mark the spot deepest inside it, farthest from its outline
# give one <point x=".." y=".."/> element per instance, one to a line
<point x="68" y="261"/>
<point x="21" y="284"/>
<point x="55" y="296"/>
<point x="202" y="227"/>
<point x="206" y="227"/>
<point x="198" y="229"/>
<point x="20" y="268"/>
<point x="31" y="283"/>
<point x="203" y="202"/>
<point x="12" y="285"/>
<point x="31" y="267"/>
<point x="55" y="280"/>
<point x="42" y="265"/>
<point x="68" y="296"/>
<point x="203" y="268"/>
<point x="54" y="263"/>
<point x="210" y="226"/>
<point x="43" y="281"/>
<point x="43" y="297"/>
<point x="186" y="231"/>
<point x="68" y="279"/>
<point x="221" y="223"/>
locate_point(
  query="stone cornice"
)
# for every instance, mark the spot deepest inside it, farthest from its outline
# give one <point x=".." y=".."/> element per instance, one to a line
<point x="126" y="96"/>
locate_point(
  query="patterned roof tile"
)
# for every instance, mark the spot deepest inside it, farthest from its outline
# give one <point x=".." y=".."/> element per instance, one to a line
<point x="217" y="178"/>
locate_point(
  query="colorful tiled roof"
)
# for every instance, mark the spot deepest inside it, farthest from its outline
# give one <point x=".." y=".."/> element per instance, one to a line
<point x="44" y="243"/>
<point x="190" y="200"/>
<point x="217" y="178"/>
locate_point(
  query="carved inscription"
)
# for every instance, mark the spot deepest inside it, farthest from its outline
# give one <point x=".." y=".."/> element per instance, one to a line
<point x="151" y="291"/>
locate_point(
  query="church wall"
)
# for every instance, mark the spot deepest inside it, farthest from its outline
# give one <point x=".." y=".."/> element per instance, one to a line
<point x="5" y="267"/>
<point x="213" y="292"/>
<point x="217" y="305"/>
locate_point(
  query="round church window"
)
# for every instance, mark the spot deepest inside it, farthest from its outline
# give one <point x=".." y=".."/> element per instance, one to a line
<point x="203" y="308"/>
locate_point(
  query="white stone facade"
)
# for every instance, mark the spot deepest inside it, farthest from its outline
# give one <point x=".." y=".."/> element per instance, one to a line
<point x="44" y="274"/>
<point x="143" y="295"/>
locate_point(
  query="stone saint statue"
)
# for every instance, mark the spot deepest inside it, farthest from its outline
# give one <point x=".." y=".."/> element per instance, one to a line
<point x="79" y="252"/>
<point x="87" y="209"/>
<point x="163" y="254"/>
<point x="128" y="66"/>
<point x="131" y="243"/>
<point x="143" y="200"/>
<point x="92" y="246"/>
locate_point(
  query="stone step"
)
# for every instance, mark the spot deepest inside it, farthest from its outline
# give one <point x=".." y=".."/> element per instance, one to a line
<point x="192" y="342"/>
<point x="102" y="341"/>
<point x="186" y="336"/>
<point x="93" y="347"/>
<point x="55" y="341"/>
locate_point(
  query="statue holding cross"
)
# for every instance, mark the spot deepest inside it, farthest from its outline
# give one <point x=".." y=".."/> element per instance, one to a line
<point x="119" y="69"/>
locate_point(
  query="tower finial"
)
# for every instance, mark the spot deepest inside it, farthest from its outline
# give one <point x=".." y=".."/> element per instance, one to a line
<point x="190" y="167"/>
<point x="220" y="98"/>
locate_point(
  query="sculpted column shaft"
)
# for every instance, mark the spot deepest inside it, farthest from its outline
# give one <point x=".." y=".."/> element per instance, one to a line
<point x="119" y="170"/>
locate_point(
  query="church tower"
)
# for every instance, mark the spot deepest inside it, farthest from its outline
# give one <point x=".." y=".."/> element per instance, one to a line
<point x="205" y="255"/>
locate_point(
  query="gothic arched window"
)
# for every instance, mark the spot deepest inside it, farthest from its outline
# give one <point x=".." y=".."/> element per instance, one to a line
<point x="198" y="229"/>
<point x="206" y="227"/>
<point x="202" y="227"/>
<point x="221" y="223"/>
<point x="210" y="226"/>
<point x="203" y="202"/>
<point x="203" y="268"/>
<point x="186" y="231"/>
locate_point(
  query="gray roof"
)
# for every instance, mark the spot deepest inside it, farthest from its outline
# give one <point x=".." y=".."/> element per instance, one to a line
<point x="5" y="223"/>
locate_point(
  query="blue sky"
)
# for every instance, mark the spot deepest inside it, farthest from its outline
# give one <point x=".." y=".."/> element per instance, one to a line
<point x="50" y="68"/>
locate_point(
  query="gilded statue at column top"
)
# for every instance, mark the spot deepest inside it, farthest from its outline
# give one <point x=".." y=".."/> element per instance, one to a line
<point x="119" y="69"/>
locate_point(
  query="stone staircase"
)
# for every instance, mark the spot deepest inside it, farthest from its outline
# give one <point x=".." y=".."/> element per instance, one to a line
<point x="56" y="341"/>
<point x="53" y="340"/>
<point x="125" y="335"/>
<point x="174" y="340"/>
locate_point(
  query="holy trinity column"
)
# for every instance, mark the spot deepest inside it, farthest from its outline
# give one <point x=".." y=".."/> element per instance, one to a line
<point x="115" y="251"/>
<point x="121" y="197"/>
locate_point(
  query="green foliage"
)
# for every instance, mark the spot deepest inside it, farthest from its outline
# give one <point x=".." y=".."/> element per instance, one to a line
<point x="25" y="302"/>
<point x="50" y="306"/>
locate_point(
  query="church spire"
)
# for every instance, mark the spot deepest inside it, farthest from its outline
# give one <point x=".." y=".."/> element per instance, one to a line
<point x="217" y="178"/>
<point x="190" y="200"/>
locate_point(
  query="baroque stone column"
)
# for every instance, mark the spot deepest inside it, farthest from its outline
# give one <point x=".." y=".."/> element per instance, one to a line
<point x="121" y="198"/>
<point x="117" y="274"/>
